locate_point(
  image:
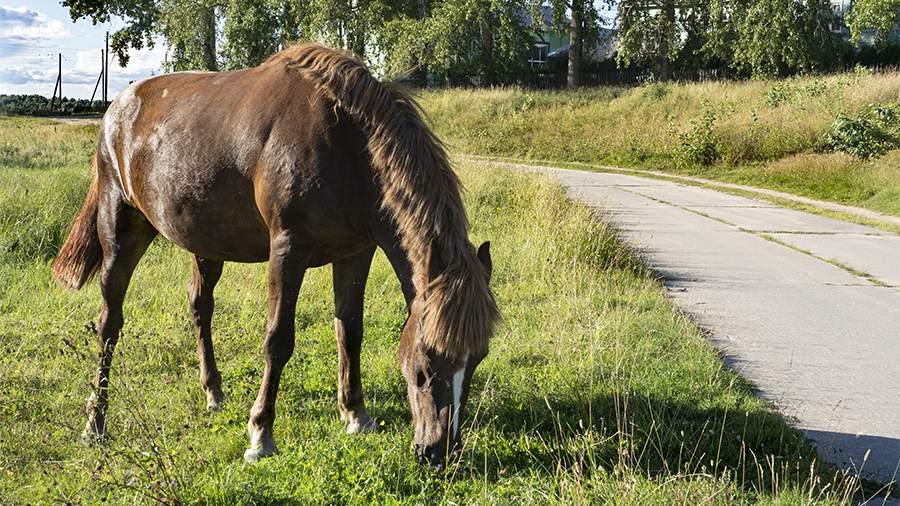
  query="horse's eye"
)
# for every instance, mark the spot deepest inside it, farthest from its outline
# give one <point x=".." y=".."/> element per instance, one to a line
<point x="420" y="379"/>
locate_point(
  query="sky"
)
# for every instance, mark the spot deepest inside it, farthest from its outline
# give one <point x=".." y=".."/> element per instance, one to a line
<point x="33" y="32"/>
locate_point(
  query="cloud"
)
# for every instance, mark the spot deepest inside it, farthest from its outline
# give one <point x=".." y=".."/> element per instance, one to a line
<point x="22" y="23"/>
<point x="24" y="76"/>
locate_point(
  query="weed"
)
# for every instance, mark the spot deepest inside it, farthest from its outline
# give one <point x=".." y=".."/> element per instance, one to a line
<point x="697" y="144"/>
<point x="871" y="134"/>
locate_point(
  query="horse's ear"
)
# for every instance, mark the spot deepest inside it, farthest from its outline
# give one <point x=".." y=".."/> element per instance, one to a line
<point x="484" y="255"/>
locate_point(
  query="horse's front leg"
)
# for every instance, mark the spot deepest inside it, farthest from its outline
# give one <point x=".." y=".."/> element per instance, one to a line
<point x="287" y="263"/>
<point x="203" y="281"/>
<point x="349" y="277"/>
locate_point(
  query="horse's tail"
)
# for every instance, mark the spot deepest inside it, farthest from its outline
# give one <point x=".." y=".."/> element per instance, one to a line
<point x="81" y="254"/>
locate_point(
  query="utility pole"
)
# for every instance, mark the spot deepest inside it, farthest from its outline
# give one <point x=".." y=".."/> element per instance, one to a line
<point x="57" y="88"/>
<point x="106" y="72"/>
<point x="100" y="77"/>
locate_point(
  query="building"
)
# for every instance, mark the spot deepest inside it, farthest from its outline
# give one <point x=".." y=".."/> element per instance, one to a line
<point x="551" y="41"/>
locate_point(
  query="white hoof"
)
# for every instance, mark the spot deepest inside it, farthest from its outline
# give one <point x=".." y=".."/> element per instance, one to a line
<point x="362" y="425"/>
<point x="254" y="455"/>
<point x="214" y="399"/>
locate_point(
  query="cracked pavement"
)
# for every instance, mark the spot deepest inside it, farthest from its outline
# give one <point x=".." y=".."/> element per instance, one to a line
<point x="805" y="307"/>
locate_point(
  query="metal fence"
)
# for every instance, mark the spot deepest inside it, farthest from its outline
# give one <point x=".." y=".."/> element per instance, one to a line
<point x="549" y="80"/>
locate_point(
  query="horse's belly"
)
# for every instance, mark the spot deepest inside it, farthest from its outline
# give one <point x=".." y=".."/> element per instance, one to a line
<point x="215" y="219"/>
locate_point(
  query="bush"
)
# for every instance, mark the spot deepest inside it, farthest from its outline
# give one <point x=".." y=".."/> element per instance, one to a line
<point x="697" y="145"/>
<point x="871" y="134"/>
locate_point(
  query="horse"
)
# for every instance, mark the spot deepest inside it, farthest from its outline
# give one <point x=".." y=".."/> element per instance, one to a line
<point x="302" y="161"/>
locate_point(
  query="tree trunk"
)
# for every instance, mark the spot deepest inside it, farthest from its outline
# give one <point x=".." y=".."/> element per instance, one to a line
<point x="419" y="75"/>
<point x="488" y="69"/>
<point x="208" y="38"/>
<point x="356" y="32"/>
<point x="666" y="27"/>
<point x="575" y="40"/>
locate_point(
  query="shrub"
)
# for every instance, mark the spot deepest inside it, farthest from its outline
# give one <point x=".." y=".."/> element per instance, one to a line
<point x="871" y="134"/>
<point x="656" y="90"/>
<point x="697" y="145"/>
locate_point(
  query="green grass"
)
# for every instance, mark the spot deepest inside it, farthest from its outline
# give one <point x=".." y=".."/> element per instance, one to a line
<point x="768" y="134"/>
<point x="595" y="390"/>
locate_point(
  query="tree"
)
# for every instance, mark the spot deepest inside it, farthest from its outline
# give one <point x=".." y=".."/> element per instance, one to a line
<point x="459" y="39"/>
<point x="576" y="40"/>
<point x="141" y="17"/>
<point x="795" y="37"/>
<point x="255" y="30"/>
<point x="879" y="15"/>
<point x="583" y="27"/>
<point x="655" y="32"/>
<point x="189" y="27"/>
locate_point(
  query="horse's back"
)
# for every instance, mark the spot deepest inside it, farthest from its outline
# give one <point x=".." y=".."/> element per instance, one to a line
<point x="217" y="160"/>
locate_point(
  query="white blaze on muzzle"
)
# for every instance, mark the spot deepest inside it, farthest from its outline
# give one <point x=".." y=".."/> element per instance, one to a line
<point x="458" y="378"/>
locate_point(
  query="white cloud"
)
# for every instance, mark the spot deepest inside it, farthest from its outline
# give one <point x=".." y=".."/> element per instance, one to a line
<point x="22" y="23"/>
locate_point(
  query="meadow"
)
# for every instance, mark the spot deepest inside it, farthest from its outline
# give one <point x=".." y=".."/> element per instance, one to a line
<point x="595" y="391"/>
<point x="834" y="138"/>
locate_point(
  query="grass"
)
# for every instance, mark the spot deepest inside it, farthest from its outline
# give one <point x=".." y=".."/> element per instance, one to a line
<point x="596" y="390"/>
<point x="769" y="134"/>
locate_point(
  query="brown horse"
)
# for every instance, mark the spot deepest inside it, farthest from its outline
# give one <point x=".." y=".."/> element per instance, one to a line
<point x="303" y="161"/>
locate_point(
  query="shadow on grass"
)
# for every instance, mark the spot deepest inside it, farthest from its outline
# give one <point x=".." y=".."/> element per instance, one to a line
<point x="656" y="438"/>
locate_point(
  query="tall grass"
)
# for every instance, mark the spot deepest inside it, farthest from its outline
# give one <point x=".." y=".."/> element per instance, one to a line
<point x="595" y="390"/>
<point x="728" y="131"/>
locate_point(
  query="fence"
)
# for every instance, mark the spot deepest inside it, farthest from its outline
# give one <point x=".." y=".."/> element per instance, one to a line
<point x="549" y="80"/>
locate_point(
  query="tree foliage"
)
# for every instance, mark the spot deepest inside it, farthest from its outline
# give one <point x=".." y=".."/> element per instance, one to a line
<point x="754" y="37"/>
<point x="448" y="40"/>
<point x="879" y="15"/>
<point x="141" y="20"/>
<point x="459" y="38"/>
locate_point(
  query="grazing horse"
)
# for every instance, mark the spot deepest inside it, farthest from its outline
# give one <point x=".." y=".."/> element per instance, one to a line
<point x="303" y="161"/>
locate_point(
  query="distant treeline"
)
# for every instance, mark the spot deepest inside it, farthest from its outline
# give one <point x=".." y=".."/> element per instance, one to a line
<point x="37" y="105"/>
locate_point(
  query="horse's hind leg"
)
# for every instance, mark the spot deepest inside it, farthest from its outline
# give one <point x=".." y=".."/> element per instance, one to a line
<point x="349" y="288"/>
<point x="124" y="234"/>
<point x="203" y="281"/>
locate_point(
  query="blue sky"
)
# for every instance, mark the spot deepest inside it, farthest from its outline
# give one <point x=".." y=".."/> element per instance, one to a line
<point x="33" y="32"/>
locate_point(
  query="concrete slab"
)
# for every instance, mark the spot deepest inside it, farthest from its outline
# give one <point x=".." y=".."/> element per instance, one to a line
<point x="777" y="219"/>
<point x="878" y="256"/>
<point x="818" y="341"/>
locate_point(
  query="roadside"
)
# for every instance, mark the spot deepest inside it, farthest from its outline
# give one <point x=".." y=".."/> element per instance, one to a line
<point x="87" y="119"/>
<point x="834" y="210"/>
<point x="804" y="306"/>
<point x="834" y="138"/>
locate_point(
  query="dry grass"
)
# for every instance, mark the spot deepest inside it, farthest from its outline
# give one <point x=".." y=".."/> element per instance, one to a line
<point x="764" y="133"/>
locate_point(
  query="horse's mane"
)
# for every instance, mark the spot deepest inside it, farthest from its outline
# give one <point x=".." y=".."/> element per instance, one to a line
<point x="420" y="190"/>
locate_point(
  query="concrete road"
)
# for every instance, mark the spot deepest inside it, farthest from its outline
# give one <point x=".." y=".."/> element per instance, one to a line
<point x="805" y="307"/>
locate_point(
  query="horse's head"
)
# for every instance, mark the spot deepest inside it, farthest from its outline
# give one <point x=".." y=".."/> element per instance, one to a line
<point x="438" y="380"/>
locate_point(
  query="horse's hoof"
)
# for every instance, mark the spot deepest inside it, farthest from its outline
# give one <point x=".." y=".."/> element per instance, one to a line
<point x="254" y="455"/>
<point x="362" y="425"/>
<point x="90" y="438"/>
<point x="214" y="400"/>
